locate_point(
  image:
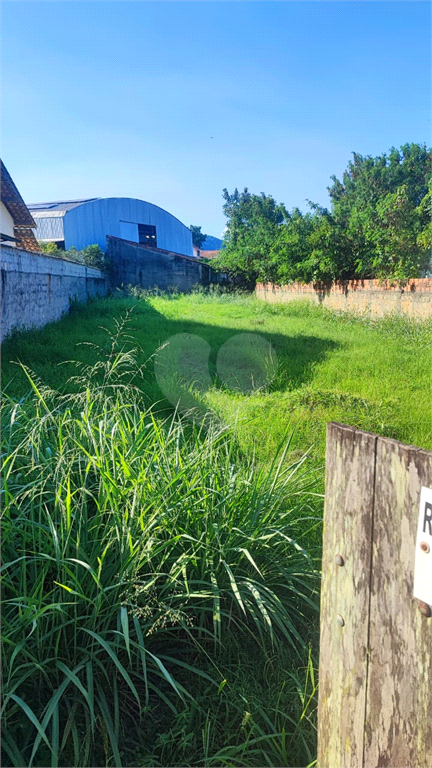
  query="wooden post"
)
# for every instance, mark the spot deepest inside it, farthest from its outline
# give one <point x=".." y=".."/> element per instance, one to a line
<point x="375" y="671"/>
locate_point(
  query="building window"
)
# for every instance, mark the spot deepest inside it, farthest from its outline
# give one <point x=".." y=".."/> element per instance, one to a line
<point x="147" y="234"/>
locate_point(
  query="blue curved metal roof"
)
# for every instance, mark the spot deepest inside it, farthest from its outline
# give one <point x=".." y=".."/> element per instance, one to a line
<point x="87" y="221"/>
<point x="67" y="205"/>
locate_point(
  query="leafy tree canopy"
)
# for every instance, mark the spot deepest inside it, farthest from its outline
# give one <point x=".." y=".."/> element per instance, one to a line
<point x="378" y="226"/>
<point x="197" y="236"/>
<point x="91" y="255"/>
<point x="253" y="222"/>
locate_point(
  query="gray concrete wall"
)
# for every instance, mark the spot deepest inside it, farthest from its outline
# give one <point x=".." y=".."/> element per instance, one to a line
<point x="372" y="297"/>
<point x="134" y="264"/>
<point x="37" y="289"/>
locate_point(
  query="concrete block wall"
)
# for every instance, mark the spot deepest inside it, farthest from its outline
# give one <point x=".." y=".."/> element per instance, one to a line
<point x="37" y="289"/>
<point x="134" y="264"/>
<point x="370" y="296"/>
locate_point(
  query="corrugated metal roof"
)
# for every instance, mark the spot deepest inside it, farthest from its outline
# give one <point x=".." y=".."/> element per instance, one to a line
<point x="67" y="205"/>
<point x="60" y="205"/>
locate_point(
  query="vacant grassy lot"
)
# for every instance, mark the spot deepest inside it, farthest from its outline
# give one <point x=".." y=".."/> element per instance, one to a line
<point x="373" y="375"/>
<point x="160" y="572"/>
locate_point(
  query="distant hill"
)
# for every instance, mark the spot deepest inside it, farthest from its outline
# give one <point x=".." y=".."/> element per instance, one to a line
<point x="211" y="244"/>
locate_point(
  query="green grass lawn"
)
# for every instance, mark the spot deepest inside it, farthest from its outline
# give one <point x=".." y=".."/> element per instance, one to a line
<point x="372" y="375"/>
<point x="161" y="578"/>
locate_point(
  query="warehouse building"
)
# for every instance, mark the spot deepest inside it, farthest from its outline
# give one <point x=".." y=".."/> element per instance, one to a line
<point x="79" y="223"/>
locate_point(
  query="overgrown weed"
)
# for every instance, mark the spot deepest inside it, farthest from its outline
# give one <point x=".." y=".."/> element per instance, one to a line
<point x="134" y="550"/>
<point x="394" y="325"/>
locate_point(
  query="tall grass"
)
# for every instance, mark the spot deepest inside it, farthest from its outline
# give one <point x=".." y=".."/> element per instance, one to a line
<point x="134" y="552"/>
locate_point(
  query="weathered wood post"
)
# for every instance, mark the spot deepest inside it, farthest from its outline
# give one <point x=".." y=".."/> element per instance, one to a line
<point x="375" y="669"/>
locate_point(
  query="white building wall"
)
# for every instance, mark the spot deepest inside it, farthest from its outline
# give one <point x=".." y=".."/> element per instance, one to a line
<point x="6" y="222"/>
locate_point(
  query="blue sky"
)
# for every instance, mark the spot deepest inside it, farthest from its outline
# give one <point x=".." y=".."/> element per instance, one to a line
<point x="171" y="102"/>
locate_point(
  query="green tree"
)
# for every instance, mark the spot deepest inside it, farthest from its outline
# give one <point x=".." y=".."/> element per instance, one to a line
<point x="378" y="225"/>
<point x="253" y="222"/>
<point x="291" y="249"/>
<point x="424" y="238"/>
<point x="378" y="207"/>
<point x="393" y="238"/>
<point x="91" y="255"/>
<point x="51" y="249"/>
<point x="197" y="236"/>
<point x="330" y="255"/>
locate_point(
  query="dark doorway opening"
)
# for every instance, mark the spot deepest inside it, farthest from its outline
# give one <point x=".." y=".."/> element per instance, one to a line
<point x="147" y="235"/>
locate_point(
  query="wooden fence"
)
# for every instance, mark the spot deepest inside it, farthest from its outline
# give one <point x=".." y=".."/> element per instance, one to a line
<point x="375" y="670"/>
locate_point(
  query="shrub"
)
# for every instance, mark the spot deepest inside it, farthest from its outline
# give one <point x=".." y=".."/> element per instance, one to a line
<point x="91" y="255"/>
